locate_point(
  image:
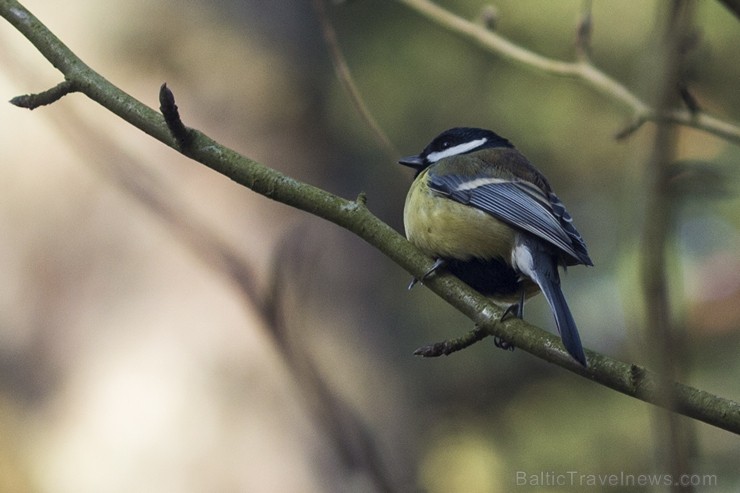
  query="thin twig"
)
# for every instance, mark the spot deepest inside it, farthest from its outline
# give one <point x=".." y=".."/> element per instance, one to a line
<point x="583" y="32"/>
<point x="630" y="128"/>
<point x="488" y="17"/>
<point x="343" y="426"/>
<point x="33" y="101"/>
<point x="582" y="70"/>
<point x="345" y="77"/>
<point x="688" y="98"/>
<point x="449" y="346"/>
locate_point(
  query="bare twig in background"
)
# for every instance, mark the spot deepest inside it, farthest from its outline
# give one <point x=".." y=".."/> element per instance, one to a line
<point x="345" y="77"/>
<point x="666" y="345"/>
<point x="582" y="70"/>
<point x="488" y="17"/>
<point x="343" y="428"/>
<point x="351" y="438"/>
<point x="584" y="31"/>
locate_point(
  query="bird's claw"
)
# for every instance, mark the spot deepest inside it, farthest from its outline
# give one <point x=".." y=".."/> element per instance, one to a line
<point x="500" y="343"/>
<point x="437" y="264"/>
<point x="514" y="310"/>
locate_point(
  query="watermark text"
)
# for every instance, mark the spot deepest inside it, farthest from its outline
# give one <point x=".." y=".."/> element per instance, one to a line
<point x="617" y="479"/>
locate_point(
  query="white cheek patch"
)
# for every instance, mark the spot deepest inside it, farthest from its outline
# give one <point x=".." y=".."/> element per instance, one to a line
<point x="458" y="149"/>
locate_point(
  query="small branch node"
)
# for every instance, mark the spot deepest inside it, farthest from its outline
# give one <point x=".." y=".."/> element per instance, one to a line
<point x="361" y="199"/>
<point x="489" y="17"/>
<point x="637" y="375"/>
<point x="179" y="131"/>
<point x="631" y="128"/>
<point x="583" y="33"/>
<point x="33" y="101"/>
<point x="688" y="99"/>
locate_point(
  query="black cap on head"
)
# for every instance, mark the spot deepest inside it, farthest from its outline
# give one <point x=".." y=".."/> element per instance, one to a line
<point x="453" y="142"/>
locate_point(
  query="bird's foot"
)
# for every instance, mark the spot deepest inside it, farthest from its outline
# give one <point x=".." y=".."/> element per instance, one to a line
<point x="439" y="263"/>
<point x="516" y="310"/>
<point x="502" y="344"/>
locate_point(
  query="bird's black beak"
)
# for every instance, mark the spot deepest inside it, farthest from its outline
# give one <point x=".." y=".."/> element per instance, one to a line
<point x="415" y="161"/>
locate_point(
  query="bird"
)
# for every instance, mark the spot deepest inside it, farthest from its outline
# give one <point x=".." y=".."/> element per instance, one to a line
<point x="490" y="217"/>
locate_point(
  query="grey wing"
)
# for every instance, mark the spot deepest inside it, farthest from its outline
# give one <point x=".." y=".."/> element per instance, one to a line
<point x="566" y="221"/>
<point x="520" y="204"/>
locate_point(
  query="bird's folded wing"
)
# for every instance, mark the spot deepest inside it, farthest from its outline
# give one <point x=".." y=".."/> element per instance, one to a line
<point x="518" y="203"/>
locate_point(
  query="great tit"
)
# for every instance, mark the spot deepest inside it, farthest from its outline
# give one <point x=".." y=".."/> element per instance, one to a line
<point x="490" y="217"/>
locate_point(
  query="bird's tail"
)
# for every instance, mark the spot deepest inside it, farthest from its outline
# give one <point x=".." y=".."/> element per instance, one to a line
<point x="563" y="318"/>
<point x="535" y="260"/>
<point x="548" y="279"/>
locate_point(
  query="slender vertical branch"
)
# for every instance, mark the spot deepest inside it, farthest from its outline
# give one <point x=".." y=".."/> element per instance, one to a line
<point x="666" y="350"/>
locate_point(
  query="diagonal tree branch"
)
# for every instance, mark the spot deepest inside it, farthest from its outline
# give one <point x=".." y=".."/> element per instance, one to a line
<point x="582" y="69"/>
<point x="354" y="216"/>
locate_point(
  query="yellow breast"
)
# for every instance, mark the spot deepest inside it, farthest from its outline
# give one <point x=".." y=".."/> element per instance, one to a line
<point x="442" y="227"/>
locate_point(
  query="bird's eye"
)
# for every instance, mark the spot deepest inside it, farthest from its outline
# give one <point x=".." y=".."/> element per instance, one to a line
<point x="445" y="144"/>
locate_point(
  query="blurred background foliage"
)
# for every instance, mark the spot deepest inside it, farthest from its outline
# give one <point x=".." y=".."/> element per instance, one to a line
<point x="130" y="360"/>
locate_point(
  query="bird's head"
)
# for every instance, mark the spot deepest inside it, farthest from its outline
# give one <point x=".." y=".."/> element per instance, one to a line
<point x="453" y="142"/>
